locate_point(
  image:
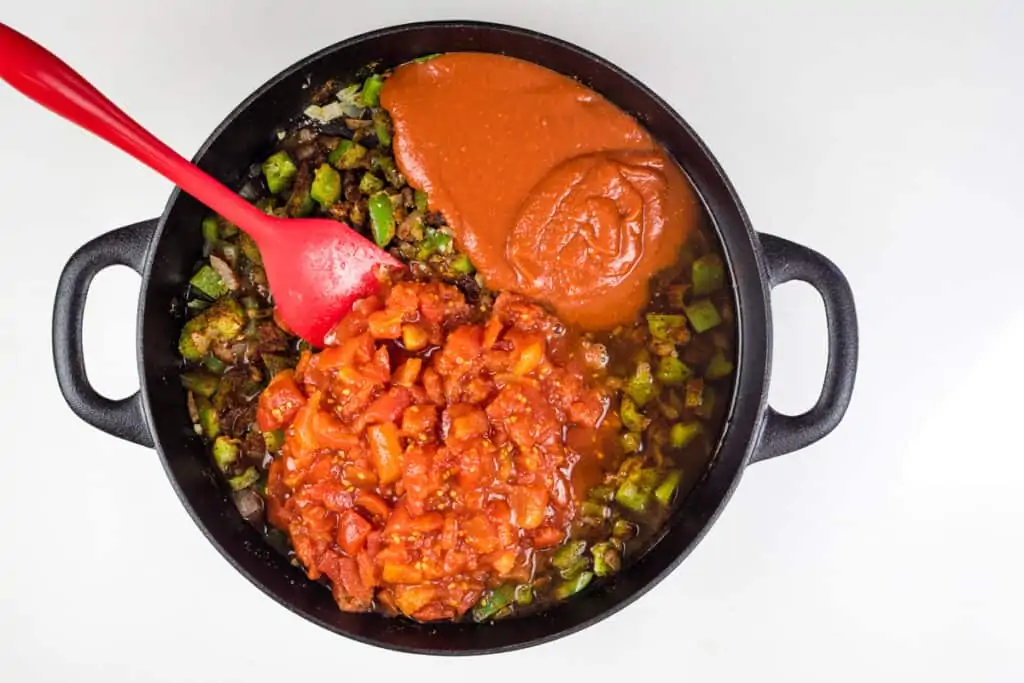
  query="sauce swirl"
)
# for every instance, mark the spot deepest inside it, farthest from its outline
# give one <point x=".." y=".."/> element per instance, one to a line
<point x="550" y="189"/>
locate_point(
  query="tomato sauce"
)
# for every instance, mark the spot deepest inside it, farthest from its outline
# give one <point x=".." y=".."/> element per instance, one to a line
<point x="430" y="452"/>
<point x="550" y="189"/>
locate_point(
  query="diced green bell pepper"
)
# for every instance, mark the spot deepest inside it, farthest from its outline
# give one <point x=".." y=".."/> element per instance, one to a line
<point x="279" y="169"/>
<point x="347" y="155"/>
<point x="420" y="197"/>
<point x="672" y="371"/>
<point x="606" y="558"/>
<point x="682" y="433"/>
<point x="631" y="442"/>
<point x="225" y="452"/>
<point x="719" y="366"/>
<point x="200" y="383"/>
<point x="382" y="128"/>
<point x="667" y="488"/>
<point x="703" y="315"/>
<point x="244" y="480"/>
<point x="382" y="219"/>
<point x="634" y="493"/>
<point x="209" y="421"/>
<point x="372" y="86"/>
<point x="708" y="274"/>
<point x="370" y="184"/>
<point x="495" y="601"/>
<point x="211" y="230"/>
<point x="220" y="322"/>
<point x="632" y="418"/>
<point x="573" y="586"/>
<point x="641" y="386"/>
<point x="326" y="187"/>
<point x="249" y="248"/>
<point x="523" y="594"/>
<point x="693" y="396"/>
<point x="461" y="265"/>
<point x="568" y="553"/>
<point x="207" y="281"/>
<point x="434" y="242"/>
<point x="667" y="327"/>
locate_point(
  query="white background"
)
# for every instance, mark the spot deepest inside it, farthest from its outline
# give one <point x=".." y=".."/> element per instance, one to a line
<point x="886" y="134"/>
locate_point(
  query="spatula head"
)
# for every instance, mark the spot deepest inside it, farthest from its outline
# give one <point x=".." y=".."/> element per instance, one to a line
<point x="317" y="268"/>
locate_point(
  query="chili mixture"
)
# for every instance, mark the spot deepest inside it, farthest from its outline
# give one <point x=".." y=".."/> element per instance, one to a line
<point x="477" y="440"/>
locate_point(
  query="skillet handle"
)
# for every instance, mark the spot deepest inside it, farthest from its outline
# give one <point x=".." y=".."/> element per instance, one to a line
<point x="126" y="246"/>
<point x="787" y="433"/>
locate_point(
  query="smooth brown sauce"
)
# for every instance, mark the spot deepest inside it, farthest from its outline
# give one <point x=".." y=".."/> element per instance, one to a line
<point x="550" y="189"/>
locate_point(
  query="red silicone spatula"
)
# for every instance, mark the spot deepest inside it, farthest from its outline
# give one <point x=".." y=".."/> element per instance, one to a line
<point x="316" y="267"/>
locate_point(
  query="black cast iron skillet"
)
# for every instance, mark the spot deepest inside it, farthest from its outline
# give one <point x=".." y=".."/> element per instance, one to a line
<point x="163" y="250"/>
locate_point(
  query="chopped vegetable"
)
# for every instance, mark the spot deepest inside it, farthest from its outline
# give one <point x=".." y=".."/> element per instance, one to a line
<point x="221" y="321"/>
<point x="666" y="326"/>
<point x="209" y="422"/>
<point x="209" y="283"/>
<point x="566" y="555"/>
<point x="201" y="383"/>
<point x="382" y="219"/>
<point x="523" y="594"/>
<point x="347" y="155"/>
<point x="694" y="394"/>
<point x="244" y="480"/>
<point x="596" y="510"/>
<point x="635" y="492"/>
<point x="682" y="433"/>
<point x="326" y="188"/>
<point x="606" y="559"/>
<point x="435" y="242"/>
<point x="719" y="366"/>
<point x="274" y="440"/>
<point x="420" y="198"/>
<point x="708" y="274"/>
<point x="461" y="265"/>
<point x="386" y="166"/>
<point x="279" y="169"/>
<point x="211" y="230"/>
<point x="602" y="494"/>
<point x="631" y="442"/>
<point x="382" y="129"/>
<point x="672" y="371"/>
<point x="667" y="488"/>
<point x="493" y="602"/>
<point x="370" y="184"/>
<point x="631" y="416"/>
<point x="371" y="91"/>
<point x="225" y="452"/>
<point x="623" y="528"/>
<point x="641" y="385"/>
<point x="676" y="296"/>
<point x="214" y="364"/>
<point x="249" y="248"/>
<point x="573" y="586"/>
<point x="575" y="567"/>
<point x="707" y="406"/>
<point x="703" y="315"/>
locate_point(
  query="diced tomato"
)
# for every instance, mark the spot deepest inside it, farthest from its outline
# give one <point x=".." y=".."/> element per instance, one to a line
<point x="373" y="504"/>
<point x="528" y="357"/>
<point x="419" y="422"/>
<point x="547" y="537"/>
<point x="367" y="570"/>
<point x="407" y="374"/>
<point x="386" y="450"/>
<point x="330" y="432"/>
<point x="528" y="503"/>
<point x="426" y="523"/>
<point x="279" y="402"/>
<point x="480" y="534"/>
<point x="400" y="573"/>
<point x="463" y="422"/>
<point x="355" y="596"/>
<point x="352" y="531"/>
<point x="385" y="324"/>
<point x="503" y="561"/>
<point x="411" y="599"/>
<point x="492" y="331"/>
<point x="414" y="337"/>
<point x="388" y="407"/>
<point x="433" y="386"/>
